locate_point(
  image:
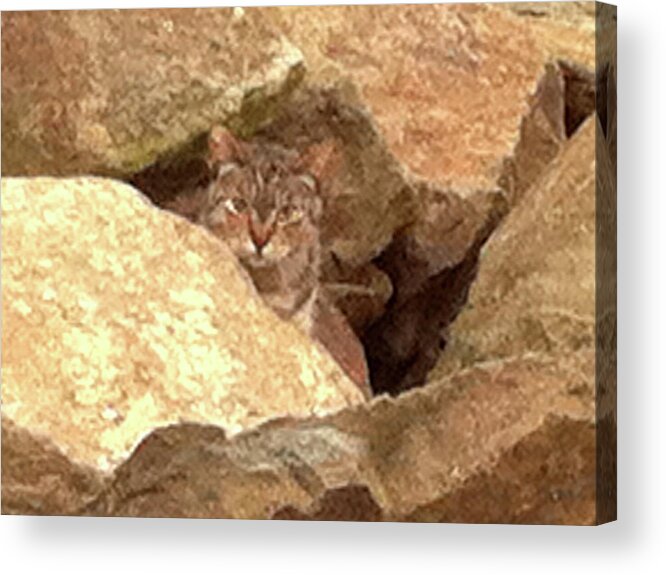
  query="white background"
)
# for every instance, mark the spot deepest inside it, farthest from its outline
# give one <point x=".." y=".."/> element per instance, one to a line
<point x="635" y="543"/>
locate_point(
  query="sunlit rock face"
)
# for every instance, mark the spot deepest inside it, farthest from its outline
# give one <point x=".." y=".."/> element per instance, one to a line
<point x="119" y="317"/>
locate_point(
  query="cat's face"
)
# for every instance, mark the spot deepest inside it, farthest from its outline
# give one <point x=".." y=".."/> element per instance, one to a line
<point x="263" y="202"/>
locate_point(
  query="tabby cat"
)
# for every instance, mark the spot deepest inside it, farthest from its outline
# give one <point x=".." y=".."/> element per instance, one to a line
<point x="264" y="201"/>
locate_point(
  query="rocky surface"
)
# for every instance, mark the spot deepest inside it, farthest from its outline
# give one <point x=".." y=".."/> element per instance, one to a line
<point x="535" y="291"/>
<point x="432" y="262"/>
<point x="109" y="91"/>
<point x="448" y="84"/>
<point x="38" y="479"/>
<point x="494" y="443"/>
<point x="119" y="317"/>
<point x="451" y="126"/>
<point x="393" y="88"/>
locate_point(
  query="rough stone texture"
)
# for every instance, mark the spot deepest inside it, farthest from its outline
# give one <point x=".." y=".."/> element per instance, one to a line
<point x="532" y="483"/>
<point x="444" y="119"/>
<point x="37" y="479"/>
<point x="465" y="97"/>
<point x="447" y="84"/>
<point x="119" y="317"/>
<point x="108" y="91"/>
<point x="542" y="133"/>
<point x="524" y="426"/>
<point x="535" y="291"/>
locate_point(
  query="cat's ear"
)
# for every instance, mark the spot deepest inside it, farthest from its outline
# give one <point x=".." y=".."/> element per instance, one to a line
<point x="322" y="160"/>
<point x="223" y="147"/>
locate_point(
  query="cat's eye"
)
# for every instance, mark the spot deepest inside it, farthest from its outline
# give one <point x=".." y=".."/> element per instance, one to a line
<point x="236" y="205"/>
<point x="289" y="215"/>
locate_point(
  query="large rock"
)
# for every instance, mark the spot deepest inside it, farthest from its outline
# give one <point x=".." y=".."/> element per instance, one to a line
<point x="535" y="291"/>
<point x="432" y="262"/>
<point x="109" y="91"/>
<point x="492" y="444"/>
<point x="119" y="317"/>
<point x="448" y="84"/>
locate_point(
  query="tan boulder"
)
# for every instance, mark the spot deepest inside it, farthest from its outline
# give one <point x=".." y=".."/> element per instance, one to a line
<point x="448" y="84"/>
<point x="119" y="317"/>
<point x="511" y="442"/>
<point x="109" y="91"/>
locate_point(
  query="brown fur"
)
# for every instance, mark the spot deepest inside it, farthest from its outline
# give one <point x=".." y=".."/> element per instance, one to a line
<point x="264" y="202"/>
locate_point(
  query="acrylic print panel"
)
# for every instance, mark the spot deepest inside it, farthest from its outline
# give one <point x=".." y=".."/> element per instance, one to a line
<point x="341" y="263"/>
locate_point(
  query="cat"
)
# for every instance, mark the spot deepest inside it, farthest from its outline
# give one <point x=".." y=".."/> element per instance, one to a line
<point x="265" y="202"/>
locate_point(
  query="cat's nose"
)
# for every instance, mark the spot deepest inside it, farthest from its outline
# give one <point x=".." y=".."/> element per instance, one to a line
<point x="261" y="235"/>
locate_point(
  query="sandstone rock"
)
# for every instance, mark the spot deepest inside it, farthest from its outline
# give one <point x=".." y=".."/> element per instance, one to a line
<point x="514" y="490"/>
<point x="523" y="425"/>
<point x="535" y="291"/>
<point x="448" y="84"/>
<point x="542" y="131"/>
<point x="119" y="317"/>
<point x="37" y="479"/>
<point x="109" y="91"/>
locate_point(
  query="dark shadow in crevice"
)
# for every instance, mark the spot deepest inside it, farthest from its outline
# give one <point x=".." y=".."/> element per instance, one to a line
<point x="174" y="173"/>
<point x="579" y="95"/>
<point x="397" y="368"/>
<point x="405" y="343"/>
